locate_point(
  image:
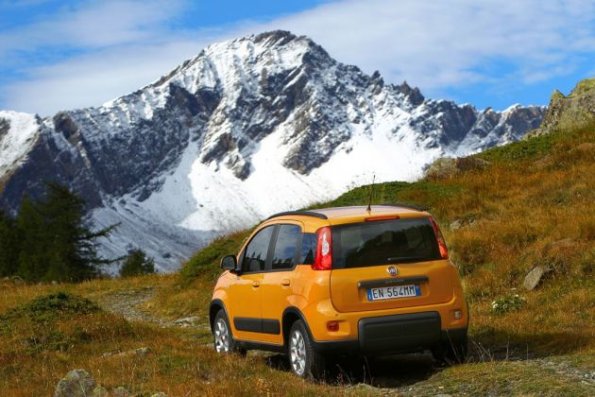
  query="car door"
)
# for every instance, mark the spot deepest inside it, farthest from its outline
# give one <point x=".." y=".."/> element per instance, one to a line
<point x="278" y="279"/>
<point x="245" y="294"/>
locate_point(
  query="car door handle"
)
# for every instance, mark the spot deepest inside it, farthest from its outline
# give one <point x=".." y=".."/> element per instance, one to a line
<point x="255" y="284"/>
<point x="285" y="282"/>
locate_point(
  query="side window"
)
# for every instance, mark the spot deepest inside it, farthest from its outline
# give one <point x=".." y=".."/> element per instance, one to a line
<point x="256" y="252"/>
<point x="308" y="248"/>
<point x="286" y="247"/>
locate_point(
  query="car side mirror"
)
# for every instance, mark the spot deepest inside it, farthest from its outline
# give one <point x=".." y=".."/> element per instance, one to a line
<point x="229" y="262"/>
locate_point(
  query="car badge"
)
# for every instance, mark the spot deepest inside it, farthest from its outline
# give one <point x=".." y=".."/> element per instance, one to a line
<point x="392" y="271"/>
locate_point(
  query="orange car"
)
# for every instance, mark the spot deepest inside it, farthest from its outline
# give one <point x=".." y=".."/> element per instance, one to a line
<point x="372" y="280"/>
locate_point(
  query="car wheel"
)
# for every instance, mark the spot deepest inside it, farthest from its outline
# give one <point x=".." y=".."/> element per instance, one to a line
<point x="224" y="342"/>
<point x="304" y="361"/>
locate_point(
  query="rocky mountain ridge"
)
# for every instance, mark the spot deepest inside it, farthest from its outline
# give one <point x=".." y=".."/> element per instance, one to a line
<point x="567" y="112"/>
<point x="248" y="127"/>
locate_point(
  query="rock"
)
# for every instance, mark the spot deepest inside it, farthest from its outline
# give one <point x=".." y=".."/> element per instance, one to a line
<point x="187" y="321"/>
<point x="17" y="280"/>
<point x="77" y="383"/>
<point x="471" y="163"/>
<point x="366" y="388"/>
<point x="100" y="391"/>
<point x="442" y="168"/>
<point x="142" y="352"/>
<point x="456" y="225"/>
<point x="121" y="392"/>
<point x="534" y="277"/>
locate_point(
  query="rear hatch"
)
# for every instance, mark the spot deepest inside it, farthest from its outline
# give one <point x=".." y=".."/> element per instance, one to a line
<point x="388" y="263"/>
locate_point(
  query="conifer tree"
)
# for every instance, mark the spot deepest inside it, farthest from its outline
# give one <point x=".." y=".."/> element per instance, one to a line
<point x="56" y="240"/>
<point x="32" y="261"/>
<point x="72" y="252"/>
<point x="9" y="245"/>
<point x="137" y="263"/>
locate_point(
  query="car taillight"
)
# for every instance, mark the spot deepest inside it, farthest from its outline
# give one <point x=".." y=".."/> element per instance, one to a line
<point x="324" y="253"/>
<point x="439" y="239"/>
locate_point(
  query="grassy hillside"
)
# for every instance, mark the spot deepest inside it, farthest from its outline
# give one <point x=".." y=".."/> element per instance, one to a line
<point x="503" y="212"/>
<point x="48" y="330"/>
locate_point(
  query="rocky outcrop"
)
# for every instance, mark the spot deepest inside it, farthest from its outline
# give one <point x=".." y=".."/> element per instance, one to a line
<point x="572" y="111"/>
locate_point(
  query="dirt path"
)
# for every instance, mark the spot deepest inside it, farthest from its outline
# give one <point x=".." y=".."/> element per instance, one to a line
<point x="130" y="304"/>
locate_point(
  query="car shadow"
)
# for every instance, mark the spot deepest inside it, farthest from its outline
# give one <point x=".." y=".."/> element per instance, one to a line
<point x="386" y="372"/>
<point x="398" y="371"/>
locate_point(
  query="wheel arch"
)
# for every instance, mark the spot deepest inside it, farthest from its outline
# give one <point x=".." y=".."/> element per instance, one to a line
<point x="215" y="306"/>
<point x="291" y="315"/>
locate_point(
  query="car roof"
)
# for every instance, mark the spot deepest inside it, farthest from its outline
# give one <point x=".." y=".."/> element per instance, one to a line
<point x="336" y="213"/>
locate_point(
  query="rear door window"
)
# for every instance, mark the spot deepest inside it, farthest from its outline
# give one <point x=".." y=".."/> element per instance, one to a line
<point x="383" y="242"/>
<point x="286" y="247"/>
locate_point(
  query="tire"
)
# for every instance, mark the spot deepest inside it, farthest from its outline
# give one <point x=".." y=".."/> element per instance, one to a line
<point x="304" y="360"/>
<point x="223" y="340"/>
<point x="451" y="351"/>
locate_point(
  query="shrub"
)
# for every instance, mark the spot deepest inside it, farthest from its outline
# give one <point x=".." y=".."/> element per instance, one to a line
<point x="137" y="263"/>
<point x="508" y="303"/>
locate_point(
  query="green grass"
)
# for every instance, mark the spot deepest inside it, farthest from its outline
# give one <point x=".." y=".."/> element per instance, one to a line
<point x="205" y="263"/>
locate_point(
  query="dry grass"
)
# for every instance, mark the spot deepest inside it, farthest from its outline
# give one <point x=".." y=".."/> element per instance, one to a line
<point x="533" y="205"/>
<point x="37" y="348"/>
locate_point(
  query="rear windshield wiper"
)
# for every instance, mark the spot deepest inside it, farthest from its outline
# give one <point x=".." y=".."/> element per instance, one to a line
<point x="407" y="258"/>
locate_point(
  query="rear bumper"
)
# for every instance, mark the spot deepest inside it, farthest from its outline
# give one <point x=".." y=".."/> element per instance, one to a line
<point x="405" y="333"/>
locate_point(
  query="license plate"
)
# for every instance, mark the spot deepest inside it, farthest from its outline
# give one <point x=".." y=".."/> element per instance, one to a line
<point x="394" y="292"/>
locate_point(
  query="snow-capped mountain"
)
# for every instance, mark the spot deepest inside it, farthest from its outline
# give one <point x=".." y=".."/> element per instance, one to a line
<point x="247" y="128"/>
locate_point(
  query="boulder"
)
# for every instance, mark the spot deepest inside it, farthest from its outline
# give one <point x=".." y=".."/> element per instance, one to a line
<point x="534" y="277"/>
<point x="76" y="383"/>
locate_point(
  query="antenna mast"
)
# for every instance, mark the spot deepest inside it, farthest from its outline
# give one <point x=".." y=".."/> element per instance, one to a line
<point x="369" y="209"/>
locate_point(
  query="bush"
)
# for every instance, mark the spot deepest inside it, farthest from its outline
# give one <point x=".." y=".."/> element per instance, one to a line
<point x="136" y="264"/>
<point x="508" y="303"/>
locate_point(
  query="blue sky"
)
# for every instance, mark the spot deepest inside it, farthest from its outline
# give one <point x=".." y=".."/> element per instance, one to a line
<point x="58" y="55"/>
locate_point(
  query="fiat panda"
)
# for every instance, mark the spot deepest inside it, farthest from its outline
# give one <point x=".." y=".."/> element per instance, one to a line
<point x="366" y="280"/>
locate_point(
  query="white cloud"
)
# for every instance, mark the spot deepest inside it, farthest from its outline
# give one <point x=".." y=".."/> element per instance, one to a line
<point x="97" y="24"/>
<point x="434" y="45"/>
<point x="93" y="79"/>
<point x="437" y="44"/>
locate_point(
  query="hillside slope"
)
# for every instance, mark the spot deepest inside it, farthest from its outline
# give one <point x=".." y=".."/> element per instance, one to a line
<point x="248" y="127"/>
<point x="503" y="211"/>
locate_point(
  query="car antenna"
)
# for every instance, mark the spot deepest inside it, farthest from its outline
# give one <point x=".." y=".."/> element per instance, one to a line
<point x="369" y="209"/>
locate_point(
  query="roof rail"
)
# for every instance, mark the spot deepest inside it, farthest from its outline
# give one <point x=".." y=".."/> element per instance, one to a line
<point x="302" y="213"/>
<point x="406" y="205"/>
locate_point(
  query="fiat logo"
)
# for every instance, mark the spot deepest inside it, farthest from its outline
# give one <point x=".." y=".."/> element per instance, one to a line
<point x="392" y="271"/>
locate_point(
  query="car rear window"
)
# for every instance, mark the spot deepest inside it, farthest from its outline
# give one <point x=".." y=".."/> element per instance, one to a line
<point x="383" y="242"/>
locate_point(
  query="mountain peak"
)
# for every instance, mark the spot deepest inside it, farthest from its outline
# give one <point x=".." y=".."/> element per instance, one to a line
<point x="248" y="127"/>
